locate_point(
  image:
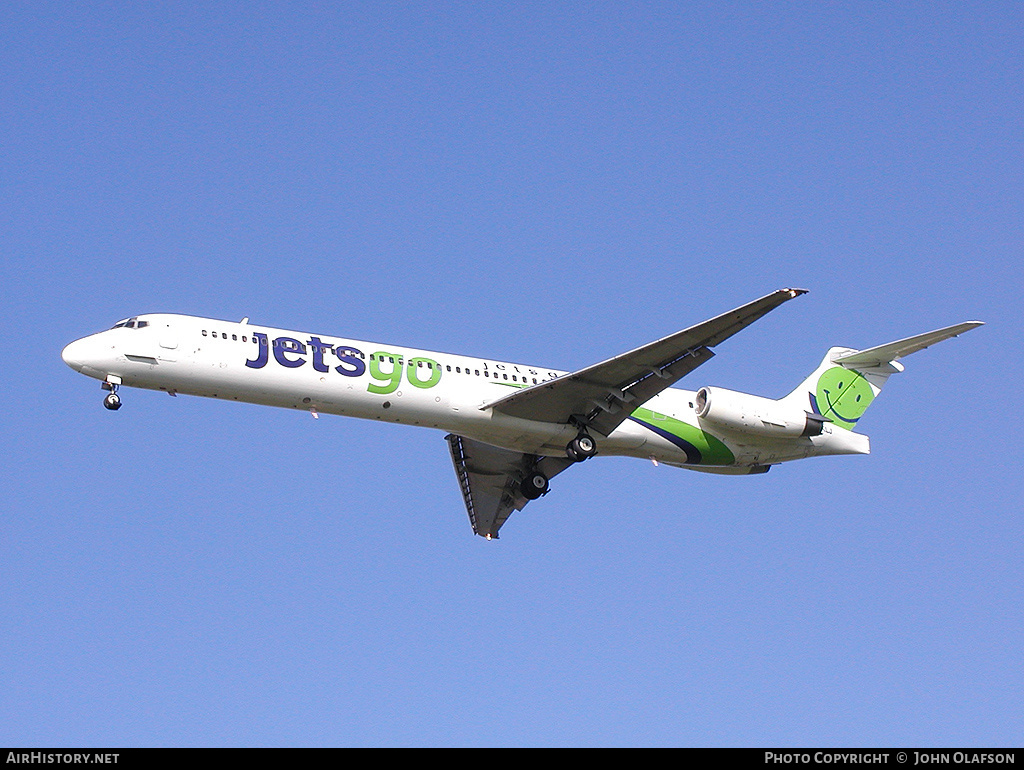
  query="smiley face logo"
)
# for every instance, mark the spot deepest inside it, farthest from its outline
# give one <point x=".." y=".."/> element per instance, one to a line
<point x="842" y="396"/>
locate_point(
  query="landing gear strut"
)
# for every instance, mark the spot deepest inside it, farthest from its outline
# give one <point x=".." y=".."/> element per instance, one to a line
<point x="111" y="401"/>
<point x="581" y="448"/>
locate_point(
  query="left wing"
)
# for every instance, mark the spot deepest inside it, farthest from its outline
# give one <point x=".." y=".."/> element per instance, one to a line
<point x="603" y="395"/>
<point x="490" y="477"/>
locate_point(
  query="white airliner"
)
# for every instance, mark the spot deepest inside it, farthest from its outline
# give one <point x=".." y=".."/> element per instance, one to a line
<point x="513" y="427"/>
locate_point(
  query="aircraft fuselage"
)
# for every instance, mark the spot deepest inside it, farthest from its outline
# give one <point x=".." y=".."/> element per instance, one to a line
<point x="325" y="374"/>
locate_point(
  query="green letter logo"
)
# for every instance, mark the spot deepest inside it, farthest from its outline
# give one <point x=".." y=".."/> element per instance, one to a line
<point x="390" y="379"/>
<point x="416" y="365"/>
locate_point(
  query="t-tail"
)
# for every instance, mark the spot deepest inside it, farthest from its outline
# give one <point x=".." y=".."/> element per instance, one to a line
<point x="847" y="381"/>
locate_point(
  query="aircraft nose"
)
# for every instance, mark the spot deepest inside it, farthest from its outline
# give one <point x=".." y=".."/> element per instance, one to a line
<point x="72" y="355"/>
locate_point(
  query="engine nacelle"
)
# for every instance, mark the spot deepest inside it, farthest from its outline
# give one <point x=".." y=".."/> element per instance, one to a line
<point x="744" y="413"/>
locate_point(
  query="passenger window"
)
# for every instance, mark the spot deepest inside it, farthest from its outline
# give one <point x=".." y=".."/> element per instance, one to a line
<point x="204" y="332"/>
<point x="234" y="337"/>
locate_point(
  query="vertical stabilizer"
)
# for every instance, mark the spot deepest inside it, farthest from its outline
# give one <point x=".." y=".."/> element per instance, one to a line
<point x="838" y="394"/>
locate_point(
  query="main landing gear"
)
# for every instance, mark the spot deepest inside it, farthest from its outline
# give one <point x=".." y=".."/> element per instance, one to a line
<point x="581" y="448"/>
<point x="111" y="401"/>
<point x="534" y="485"/>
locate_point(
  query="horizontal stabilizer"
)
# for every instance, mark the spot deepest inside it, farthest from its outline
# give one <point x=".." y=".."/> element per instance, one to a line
<point x="881" y="355"/>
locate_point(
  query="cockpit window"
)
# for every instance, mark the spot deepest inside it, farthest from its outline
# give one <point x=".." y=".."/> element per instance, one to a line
<point x="131" y="323"/>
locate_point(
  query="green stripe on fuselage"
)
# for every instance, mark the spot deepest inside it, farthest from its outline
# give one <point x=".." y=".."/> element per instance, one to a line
<point x="712" y="450"/>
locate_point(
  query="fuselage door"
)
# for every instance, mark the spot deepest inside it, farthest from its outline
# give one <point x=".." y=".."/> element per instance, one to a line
<point x="168" y="344"/>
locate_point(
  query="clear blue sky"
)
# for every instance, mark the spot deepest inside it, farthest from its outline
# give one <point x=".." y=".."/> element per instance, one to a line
<point x="538" y="182"/>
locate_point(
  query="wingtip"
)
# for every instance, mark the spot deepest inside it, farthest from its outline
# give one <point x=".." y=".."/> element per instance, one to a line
<point x="966" y="326"/>
<point x="793" y="292"/>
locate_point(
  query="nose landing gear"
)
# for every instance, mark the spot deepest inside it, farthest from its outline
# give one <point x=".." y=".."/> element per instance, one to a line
<point x="111" y="401"/>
